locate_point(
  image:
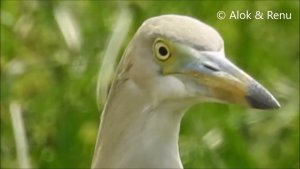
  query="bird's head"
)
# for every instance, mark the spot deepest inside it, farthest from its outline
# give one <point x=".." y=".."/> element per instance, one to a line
<point x="178" y="57"/>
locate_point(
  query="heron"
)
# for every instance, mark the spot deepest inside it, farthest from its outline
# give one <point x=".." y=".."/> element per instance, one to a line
<point x="172" y="63"/>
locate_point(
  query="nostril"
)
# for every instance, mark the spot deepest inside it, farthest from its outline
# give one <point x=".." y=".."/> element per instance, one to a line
<point x="211" y="66"/>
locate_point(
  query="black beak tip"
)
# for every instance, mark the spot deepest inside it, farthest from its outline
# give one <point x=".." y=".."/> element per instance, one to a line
<point x="258" y="103"/>
<point x="258" y="97"/>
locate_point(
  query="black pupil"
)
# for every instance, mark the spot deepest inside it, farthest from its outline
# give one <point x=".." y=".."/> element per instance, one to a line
<point x="163" y="51"/>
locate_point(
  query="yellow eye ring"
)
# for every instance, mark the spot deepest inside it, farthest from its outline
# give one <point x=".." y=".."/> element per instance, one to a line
<point x="162" y="51"/>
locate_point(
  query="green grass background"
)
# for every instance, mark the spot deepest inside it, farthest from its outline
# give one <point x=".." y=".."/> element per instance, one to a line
<point x="57" y="85"/>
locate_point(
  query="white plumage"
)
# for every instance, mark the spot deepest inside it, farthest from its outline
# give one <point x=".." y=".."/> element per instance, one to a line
<point x="172" y="63"/>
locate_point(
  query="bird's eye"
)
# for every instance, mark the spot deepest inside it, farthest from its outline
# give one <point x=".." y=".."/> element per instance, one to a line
<point x="162" y="51"/>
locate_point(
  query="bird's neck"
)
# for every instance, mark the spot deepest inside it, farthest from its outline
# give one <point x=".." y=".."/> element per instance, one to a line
<point x="136" y="132"/>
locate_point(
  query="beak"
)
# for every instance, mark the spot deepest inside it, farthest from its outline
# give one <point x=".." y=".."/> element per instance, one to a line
<point x="221" y="80"/>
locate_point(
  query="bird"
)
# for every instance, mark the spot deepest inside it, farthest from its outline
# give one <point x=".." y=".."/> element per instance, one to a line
<point x="172" y="63"/>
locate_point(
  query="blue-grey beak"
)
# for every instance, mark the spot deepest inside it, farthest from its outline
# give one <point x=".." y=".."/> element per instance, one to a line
<point x="221" y="79"/>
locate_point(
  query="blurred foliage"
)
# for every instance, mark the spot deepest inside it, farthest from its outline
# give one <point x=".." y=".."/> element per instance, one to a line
<point x="54" y="80"/>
